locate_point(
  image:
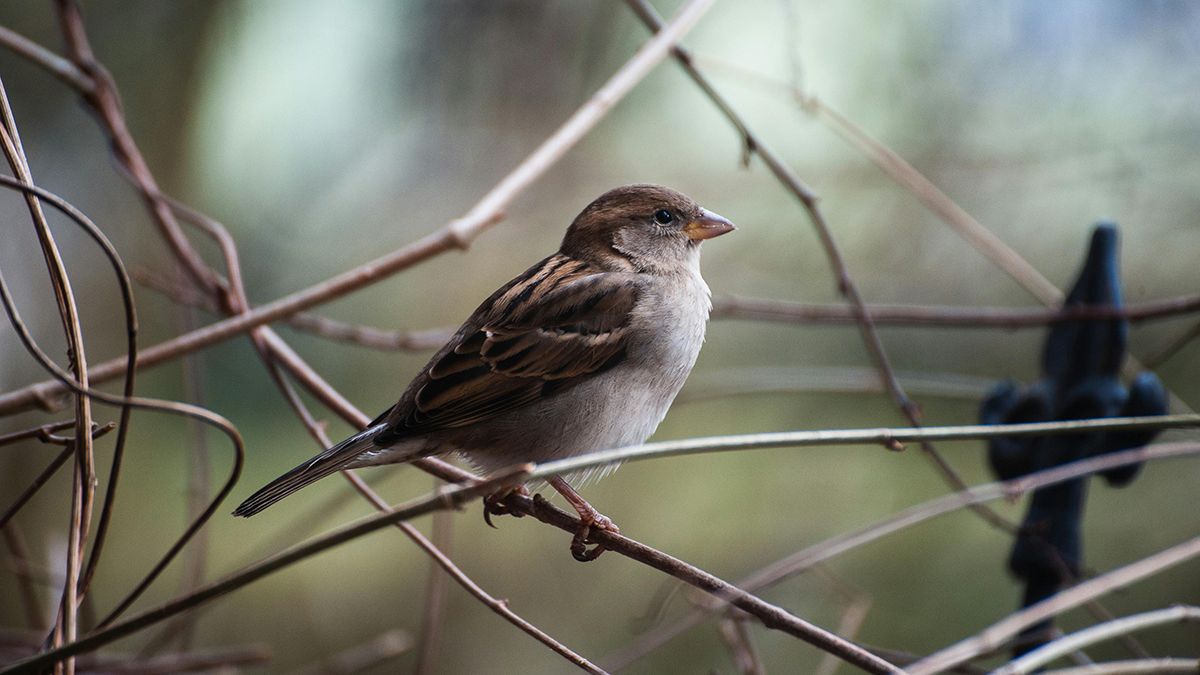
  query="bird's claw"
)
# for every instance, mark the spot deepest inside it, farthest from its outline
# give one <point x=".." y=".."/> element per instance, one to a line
<point x="579" y="542"/>
<point x="496" y="504"/>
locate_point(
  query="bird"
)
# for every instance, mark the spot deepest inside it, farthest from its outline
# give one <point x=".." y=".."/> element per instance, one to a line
<point x="584" y="351"/>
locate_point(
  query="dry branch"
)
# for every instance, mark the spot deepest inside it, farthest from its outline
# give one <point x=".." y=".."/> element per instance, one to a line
<point x="821" y="552"/>
<point x="1047" y="653"/>
<point x="84" y="477"/>
<point x="1005" y="629"/>
<point x="1134" y="667"/>
<point x="450" y="498"/>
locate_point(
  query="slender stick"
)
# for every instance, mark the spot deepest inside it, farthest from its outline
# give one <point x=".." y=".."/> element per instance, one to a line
<point x="1134" y="667"/>
<point x="739" y="307"/>
<point x="83" y="487"/>
<point x="810" y="556"/>
<point x="61" y="68"/>
<point x="38" y="482"/>
<point x="1050" y="651"/>
<point x="105" y="100"/>
<point x="35" y="432"/>
<point x="446" y="499"/>
<point x="194" y="412"/>
<point x="1007" y="628"/>
<point x="886" y="437"/>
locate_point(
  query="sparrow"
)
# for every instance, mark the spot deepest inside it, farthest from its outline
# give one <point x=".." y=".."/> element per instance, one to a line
<point x="584" y="351"/>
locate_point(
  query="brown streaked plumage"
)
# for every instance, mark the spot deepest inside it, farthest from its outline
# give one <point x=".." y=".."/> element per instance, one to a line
<point x="583" y="351"/>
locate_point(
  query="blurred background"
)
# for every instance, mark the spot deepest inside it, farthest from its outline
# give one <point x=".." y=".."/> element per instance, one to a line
<point x="324" y="134"/>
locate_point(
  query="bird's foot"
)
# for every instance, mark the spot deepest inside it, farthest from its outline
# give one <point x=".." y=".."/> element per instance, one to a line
<point x="593" y="519"/>
<point x="495" y="504"/>
<point x="589" y="519"/>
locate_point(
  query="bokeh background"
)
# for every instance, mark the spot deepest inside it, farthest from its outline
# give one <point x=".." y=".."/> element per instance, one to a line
<point x="324" y="134"/>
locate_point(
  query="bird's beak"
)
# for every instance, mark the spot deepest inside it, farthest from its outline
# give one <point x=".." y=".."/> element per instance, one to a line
<point x="707" y="226"/>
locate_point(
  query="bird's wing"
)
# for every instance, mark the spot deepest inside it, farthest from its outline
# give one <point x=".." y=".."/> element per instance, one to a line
<point x="550" y="328"/>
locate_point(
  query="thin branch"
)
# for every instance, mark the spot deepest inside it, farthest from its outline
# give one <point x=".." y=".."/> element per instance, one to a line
<point x="1047" y="653"/>
<point x="198" y="487"/>
<point x="446" y="499"/>
<point x="739" y="307"/>
<point x="771" y="616"/>
<point x="1007" y="628"/>
<point x="370" y="337"/>
<point x="131" y="329"/>
<point x="41" y="432"/>
<point x="83" y="487"/>
<point x="37" y="484"/>
<point x="724" y="382"/>
<point x="885" y="437"/>
<point x="105" y="100"/>
<point x="173" y="407"/>
<point x="58" y="66"/>
<point x="1133" y="667"/>
<point x="810" y="556"/>
<point x="382" y="339"/>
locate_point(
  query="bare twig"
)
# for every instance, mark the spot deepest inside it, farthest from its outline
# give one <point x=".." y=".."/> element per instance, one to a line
<point x="106" y="101"/>
<point x="370" y="337"/>
<point x="1134" y="667"/>
<point x="449" y="498"/>
<point x="796" y="439"/>
<point x="724" y="382"/>
<point x="31" y="51"/>
<point x="40" y="480"/>
<point x="65" y="629"/>
<point x="190" y="411"/>
<point x="1047" y="653"/>
<point x="827" y="550"/>
<point x="771" y="616"/>
<point x="1005" y="629"/>
<point x="40" y="432"/>
<point x="961" y="317"/>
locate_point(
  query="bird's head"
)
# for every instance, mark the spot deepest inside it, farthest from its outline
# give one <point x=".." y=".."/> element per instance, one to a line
<point x="651" y="227"/>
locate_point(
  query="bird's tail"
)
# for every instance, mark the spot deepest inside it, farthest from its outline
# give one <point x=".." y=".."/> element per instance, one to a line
<point x="331" y="461"/>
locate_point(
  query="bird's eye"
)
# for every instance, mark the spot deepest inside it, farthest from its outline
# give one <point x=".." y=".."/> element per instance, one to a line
<point x="663" y="217"/>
